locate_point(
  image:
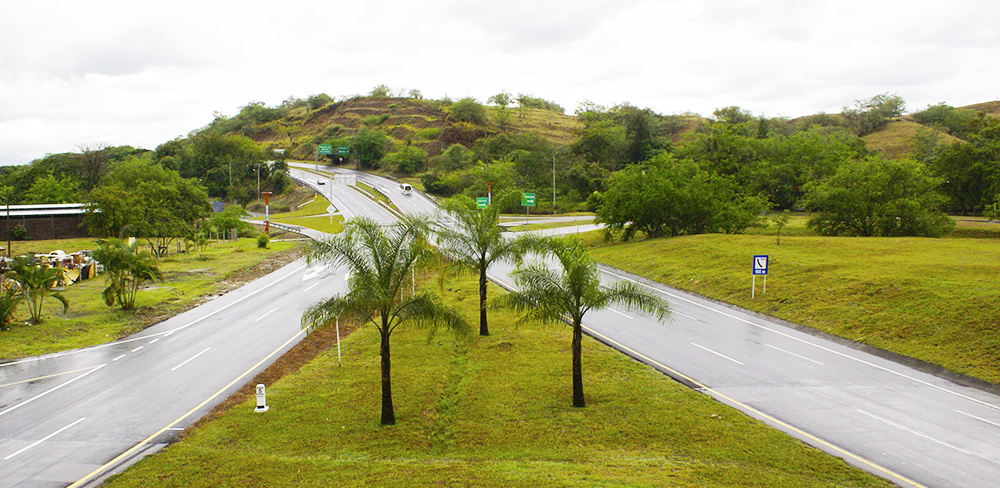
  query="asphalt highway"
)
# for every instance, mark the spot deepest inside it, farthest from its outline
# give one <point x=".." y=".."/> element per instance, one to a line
<point x="73" y="418"/>
<point x="85" y="414"/>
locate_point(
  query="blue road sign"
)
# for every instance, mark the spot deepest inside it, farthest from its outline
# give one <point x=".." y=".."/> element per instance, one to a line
<point x="760" y="264"/>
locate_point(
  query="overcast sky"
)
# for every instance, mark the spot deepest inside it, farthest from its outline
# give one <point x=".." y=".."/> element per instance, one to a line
<point x="78" y="73"/>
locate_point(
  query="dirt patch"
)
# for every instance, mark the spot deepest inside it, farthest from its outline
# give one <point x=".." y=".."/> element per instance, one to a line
<point x="296" y="357"/>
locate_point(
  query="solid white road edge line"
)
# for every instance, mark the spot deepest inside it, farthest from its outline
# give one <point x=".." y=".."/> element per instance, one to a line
<point x="192" y="358"/>
<point x="43" y="439"/>
<point x="783" y="334"/>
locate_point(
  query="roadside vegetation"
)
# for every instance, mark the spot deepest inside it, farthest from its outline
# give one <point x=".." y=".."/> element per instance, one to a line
<point x="188" y="279"/>
<point x="491" y="411"/>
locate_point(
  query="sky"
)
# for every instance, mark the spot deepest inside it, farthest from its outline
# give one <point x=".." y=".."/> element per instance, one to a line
<point x="78" y="74"/>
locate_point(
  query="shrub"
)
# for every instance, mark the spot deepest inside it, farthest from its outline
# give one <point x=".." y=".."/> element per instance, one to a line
<point x="468" y="110"/>
<point x="263" y="240"/>
<point x="19" y="233"/>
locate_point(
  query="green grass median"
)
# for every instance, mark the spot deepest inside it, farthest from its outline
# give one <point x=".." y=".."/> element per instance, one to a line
<point x="492" y="411"/>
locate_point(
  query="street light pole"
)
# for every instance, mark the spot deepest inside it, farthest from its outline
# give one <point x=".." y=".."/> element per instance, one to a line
<point x="553" y="184"/>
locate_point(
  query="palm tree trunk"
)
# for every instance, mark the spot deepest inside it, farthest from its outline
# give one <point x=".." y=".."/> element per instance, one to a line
<point x="483" y="328"/>
<point x="578" y="400"/>
<point x="388" y="415"/>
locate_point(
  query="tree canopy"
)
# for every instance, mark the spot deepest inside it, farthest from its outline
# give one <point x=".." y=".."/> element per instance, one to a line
<point x="142" y="199"/>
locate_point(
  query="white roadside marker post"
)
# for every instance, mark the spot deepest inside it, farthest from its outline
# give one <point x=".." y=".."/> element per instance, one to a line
<point x="261" y="399"/>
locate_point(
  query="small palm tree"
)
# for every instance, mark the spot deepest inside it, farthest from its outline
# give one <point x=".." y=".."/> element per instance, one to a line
<point x="473" y="238"/>
<point x="127" y="270"/>
<point x="10" y="298"/>
<point x="549" y="295"/>
<point x="379" y="262"/>
<point x="35" y="283"/>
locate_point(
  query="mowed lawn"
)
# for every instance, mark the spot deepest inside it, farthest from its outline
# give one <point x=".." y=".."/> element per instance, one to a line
<point x="490" y="412"/>
<point x="931" y="299"/>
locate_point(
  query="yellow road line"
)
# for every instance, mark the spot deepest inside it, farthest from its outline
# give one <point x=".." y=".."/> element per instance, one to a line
<point x="169" y="426"/>
<point x="50" y="376"/>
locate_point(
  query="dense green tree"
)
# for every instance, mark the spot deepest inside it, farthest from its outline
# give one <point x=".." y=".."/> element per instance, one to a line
<point x="567" y="294"/>
<point x="872" y="114"/>
<point x="143" y="199"/>
<point x="49" y="189"/>
<point x="472" y="238"/>
<point x="956" y="122"/>
<point x="369" y="146"/>
<point x="454" y="158"/>
<point x="878" y="197"/>
<point x="126" y="270"/>
<point x="971" y="170"/>
<point x="603" y="142"/>
<point x="665" y="197"/>
<point x="407" y="160"/>
<point x="381" y="91"/>
<point x="379" y="261"/>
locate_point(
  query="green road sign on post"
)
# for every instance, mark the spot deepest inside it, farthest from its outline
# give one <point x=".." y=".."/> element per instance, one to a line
<point x="528" y="200"/>
<point x="482" y="202"/>
<point x="343" y="150"/>
<point x="325" y="149"/>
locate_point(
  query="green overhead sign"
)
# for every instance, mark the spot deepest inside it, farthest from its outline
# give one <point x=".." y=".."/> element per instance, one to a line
<point x="325" y="149"/>
<point x="528" y="199"/>
<point x="343" y="150"/>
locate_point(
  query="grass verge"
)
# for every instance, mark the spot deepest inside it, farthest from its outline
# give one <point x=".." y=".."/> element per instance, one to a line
<point x="492" y="411"/>
<point x="930" y="299"/>
<point x="189" y="278"/>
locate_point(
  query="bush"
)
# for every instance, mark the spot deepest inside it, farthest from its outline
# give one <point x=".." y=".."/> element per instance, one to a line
<point x="263" y="240"/>
<point x="407" y="160"/>
<point x="468" y="110"/>
<point x="665" y="197"/>
<point x="878" y="197"/>
<point x="19" y="233"/>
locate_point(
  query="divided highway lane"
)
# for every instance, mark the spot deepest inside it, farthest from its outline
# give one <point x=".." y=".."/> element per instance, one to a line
<point x="349" y="202"/>
<point x="70" y="416"/>
<point x="910" y="427"/>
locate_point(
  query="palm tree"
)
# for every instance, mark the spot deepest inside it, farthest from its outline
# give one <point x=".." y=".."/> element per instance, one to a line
<point x="127" y="270"/>
<point x="547" y="295"/>
<point x="473" y="239"/>
<point x="35" y="283"/>
<point x="379" y="262"/>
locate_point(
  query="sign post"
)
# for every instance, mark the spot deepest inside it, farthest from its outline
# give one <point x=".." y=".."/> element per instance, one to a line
<point x="267" y="212"/>
<point x="324" y="149"/>
<point x="759" y="268"/>
<point x="528" y="201"/>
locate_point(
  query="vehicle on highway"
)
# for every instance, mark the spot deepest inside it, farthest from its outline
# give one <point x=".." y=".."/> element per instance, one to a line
<point x="406" y="188"/>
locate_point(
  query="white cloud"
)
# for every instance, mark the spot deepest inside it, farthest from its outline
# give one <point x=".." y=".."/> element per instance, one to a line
<point x="135" y="73"/>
